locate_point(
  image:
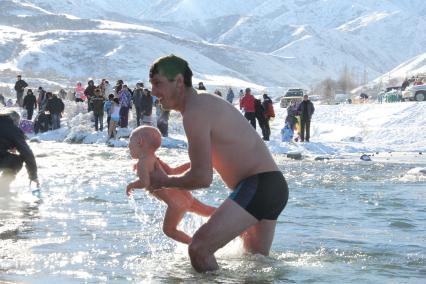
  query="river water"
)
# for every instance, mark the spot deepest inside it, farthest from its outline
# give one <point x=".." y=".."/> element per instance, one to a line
<point x="347" y="221"/>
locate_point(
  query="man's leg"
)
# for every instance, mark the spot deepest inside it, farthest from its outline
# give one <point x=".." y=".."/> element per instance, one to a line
<point x="258" y="238"/>
<point x="96" y="121"/>
<point x="226" y="223"/>
<point x="308" y="130"/>
<point x="10" y="165"/>
<point x="30" y="113"/>
<point x="302" y="130"/>
<point x="101" y="122"/>
<point x="138" y="116"/>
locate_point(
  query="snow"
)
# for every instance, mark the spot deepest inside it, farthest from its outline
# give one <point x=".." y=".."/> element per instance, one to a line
<point x="336" y="130"/>
<point x="267" y="43"/>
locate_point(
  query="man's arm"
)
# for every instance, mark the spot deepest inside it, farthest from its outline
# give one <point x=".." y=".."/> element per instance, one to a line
<point x="174" y="171"/>
<point x="200" y="173"/>
<point x="26" y="153"/>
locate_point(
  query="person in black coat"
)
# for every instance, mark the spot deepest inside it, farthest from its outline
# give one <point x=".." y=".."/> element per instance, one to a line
<point x="14" y="150"/>
<point x="20" y="86"/>
<point x="30" y="103"/>
<point x="55" y="106"/>
<point x="89" y="92"/>
<point x="306" y="110"/>
<point x="259" y="113"/>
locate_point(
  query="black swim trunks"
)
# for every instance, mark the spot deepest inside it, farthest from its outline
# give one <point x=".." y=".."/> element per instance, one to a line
<point x="263" y="195"/>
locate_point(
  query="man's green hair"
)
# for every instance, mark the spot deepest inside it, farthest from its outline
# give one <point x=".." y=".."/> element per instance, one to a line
<point x="170" y="66"/>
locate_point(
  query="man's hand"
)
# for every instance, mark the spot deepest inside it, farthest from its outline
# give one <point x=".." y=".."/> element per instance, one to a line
<point x="157" y="177"/>
<point x="129" y="190"/>
<point x="36" y="182"/>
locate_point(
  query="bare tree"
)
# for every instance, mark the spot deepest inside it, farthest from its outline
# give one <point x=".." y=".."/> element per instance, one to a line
<point x="345" y="82"/>
<point x="326" y="90"/>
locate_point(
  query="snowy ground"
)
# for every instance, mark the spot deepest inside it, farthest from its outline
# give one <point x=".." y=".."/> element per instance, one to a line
<point x="337" y="131"/>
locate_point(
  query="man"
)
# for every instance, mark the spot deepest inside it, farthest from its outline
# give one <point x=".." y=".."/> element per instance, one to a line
<point x="268" y="106"/>
<point x="11" y="140"/>
<point x="230" y="95"/>
<point x="247" y="105"/>
<point x="30" y="103"/>
<point x="228" y="144"/>
<point x="162" y="118"/>
<point x="146" y="104"/>
<point x="41" y="99"/>
<point x="137" y="101"/>
<point x="98" y="109"/>
<point x="125" y="98"/>
<point x="306" y="110"/>
<point x="55" y="107"/>
<point x="20" y="86"/>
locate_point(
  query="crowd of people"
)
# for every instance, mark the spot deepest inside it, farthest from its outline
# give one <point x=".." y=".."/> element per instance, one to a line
<point x="102" y="100"/>
<point x="115" y="103"/>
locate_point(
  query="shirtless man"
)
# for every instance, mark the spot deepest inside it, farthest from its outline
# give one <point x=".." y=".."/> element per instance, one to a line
<point x="220" y="138"/>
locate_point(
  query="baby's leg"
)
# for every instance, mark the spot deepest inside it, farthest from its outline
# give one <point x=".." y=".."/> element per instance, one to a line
<point x="201" y="209"/>
<point x="172" y="219"/>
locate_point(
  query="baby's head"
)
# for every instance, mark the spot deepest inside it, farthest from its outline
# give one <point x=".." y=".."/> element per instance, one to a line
<point x="144" y="139"/>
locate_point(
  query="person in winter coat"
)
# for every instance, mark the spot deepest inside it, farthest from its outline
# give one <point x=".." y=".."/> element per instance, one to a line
<point x="306" y="110"/>
<point x="20" y="86"/>
<point x="230" y="96"/>
<point x="201" y="86"/>
<point x="261" y="119"/>
<point x="55" y="106"/>
<point x="41" y="99"/>
<point x="30" y="103"/>
<point x="247" y="105"/>
<point x="12" y="142"/>
<point x="125" y="98"/>
<point x="162" y="119"/>
<point x="268" y="106"/>
<point x="79" y="93"/>
<point x="89" y="92"/>
<point x="147" y="102"/>
<point x="98" y="109"/>
<point x="118" y="87"/>
<point x="2" y="101"/>
<point x="138" y="94"/>
<point x="291" y="115"/>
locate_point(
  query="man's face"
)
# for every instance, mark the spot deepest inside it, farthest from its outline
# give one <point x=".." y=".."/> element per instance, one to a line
<point x="18" y="78"/>
<point x="305" y="97"/>
<point x="164" y="90"/>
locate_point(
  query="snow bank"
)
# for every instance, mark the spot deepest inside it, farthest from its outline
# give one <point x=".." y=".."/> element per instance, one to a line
<point x="336" y="130"/>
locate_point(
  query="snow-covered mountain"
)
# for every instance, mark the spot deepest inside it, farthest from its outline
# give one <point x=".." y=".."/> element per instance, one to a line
<point x="258" y="43"/>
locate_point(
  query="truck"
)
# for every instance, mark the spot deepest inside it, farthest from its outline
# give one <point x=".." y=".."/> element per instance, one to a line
<point x="295" y="95"/>
<point x="414" y="93"/>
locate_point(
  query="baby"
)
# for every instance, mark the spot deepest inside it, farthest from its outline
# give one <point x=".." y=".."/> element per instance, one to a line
<point x="143" y="143"/>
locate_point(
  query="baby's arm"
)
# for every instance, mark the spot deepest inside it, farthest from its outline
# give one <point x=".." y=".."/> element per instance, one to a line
<point x="143" y="181"/>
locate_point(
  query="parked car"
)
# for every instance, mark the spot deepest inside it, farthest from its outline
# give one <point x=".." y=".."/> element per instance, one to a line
<point x="415" y="93"/>
<point x="295" y="95"/>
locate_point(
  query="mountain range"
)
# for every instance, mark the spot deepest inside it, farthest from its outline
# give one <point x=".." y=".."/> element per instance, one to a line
<point x="267" y="44"/>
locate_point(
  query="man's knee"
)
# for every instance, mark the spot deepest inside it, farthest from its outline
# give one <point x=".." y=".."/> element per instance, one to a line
<point x="199" y="247"/>
<point x="11" y="164"/>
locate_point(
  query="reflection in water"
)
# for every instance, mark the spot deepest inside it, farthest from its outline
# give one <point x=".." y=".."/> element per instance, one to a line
<point x="345" y="222"/>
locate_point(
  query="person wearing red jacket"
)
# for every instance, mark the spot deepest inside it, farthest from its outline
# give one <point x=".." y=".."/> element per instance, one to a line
<point x="247" y="105"/>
